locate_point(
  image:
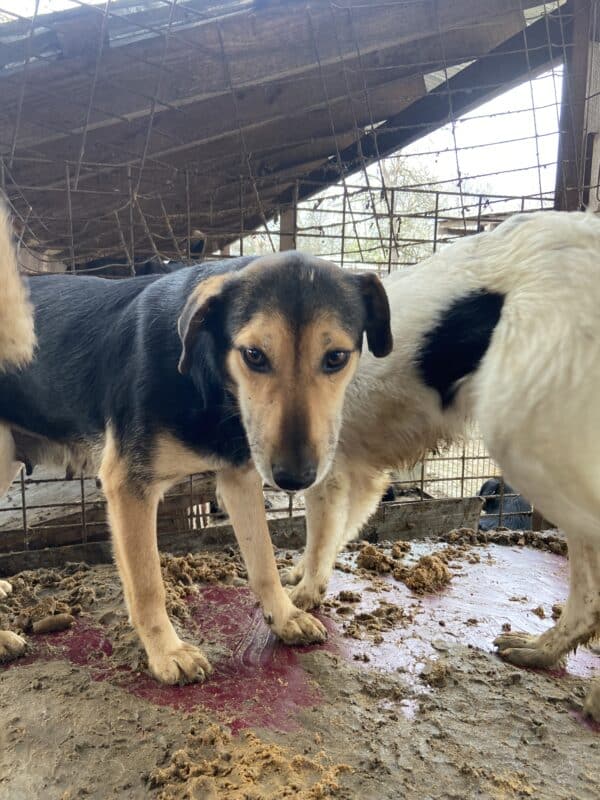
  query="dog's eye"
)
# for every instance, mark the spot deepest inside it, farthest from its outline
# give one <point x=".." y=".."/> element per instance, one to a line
<point x="335" y="360"/>
<point x="256" y="359"/>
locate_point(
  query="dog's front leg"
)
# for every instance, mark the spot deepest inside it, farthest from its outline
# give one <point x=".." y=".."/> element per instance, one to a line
<point x="336" y="510"/>
<point x="326" y="517"/>
<point x="132" y="516"/>
<point x="241" y="490"/>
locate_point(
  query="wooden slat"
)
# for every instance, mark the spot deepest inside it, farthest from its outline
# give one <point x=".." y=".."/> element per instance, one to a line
<point x="405" y="521"/>
<point x="200" y="121"/>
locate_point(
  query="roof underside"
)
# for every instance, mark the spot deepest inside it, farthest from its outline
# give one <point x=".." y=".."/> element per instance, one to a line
<point x="124" y="130"/>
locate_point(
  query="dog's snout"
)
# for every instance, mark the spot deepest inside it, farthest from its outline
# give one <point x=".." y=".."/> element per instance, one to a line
<point x="293" y="480"/>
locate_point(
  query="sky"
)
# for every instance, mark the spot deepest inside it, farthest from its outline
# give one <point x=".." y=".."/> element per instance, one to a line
<point x="507" y="137"/>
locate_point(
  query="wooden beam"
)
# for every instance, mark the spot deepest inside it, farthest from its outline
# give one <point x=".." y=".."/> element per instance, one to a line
<point x="288" y="222"/>
<point x="200" y="121"/>
<point x="572" y="149"/>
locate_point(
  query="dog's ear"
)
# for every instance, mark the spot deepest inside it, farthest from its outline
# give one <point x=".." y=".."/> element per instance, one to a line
<point x="200" y="307"/>
<point x="377" y="314"/>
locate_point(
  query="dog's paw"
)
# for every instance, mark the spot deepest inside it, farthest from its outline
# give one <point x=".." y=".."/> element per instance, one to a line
<point x="301" y="628"/>
<point x="306" y="595"/>
<point x="11" y="645"/>
<point x="591" y="705"/>
<point x="290" y="576"/>
<point x="183" y="664"/>
<point x="5" y="589"/>
<point x="524" y="650"/>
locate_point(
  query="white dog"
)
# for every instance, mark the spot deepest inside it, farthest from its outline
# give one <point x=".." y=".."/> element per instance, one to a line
<point x="17" y="341"/>
<point x="502" y="327"/>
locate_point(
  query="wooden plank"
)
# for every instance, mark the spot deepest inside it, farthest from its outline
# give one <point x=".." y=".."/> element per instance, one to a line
<point x="423" y="518"/>
<point x="279" y="42"/>
<point x="190" y="124"/>
<point x="196" y="121"/>
<point x="217" y="192"/>
<point x="390" y="522"/>
<point x="571" y="142"/>
<point x="180" y="138"/>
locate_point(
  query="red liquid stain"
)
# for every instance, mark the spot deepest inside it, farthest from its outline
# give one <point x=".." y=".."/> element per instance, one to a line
<point x="258" y="681"/>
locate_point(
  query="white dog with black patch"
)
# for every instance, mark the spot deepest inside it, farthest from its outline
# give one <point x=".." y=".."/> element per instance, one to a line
<point x="503" y="328"/>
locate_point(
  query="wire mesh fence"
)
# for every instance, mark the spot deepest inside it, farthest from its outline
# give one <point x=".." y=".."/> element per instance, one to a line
<point x="136" y="137"/>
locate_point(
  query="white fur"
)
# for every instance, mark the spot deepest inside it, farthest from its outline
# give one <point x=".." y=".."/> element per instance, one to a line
<point x="535" y="396"/>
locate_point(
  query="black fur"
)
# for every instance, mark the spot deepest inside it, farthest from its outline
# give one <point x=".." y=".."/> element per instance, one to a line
<point x="454" y="348"/>
<point x="516" y="510"/>
<point x="108" y="352"/>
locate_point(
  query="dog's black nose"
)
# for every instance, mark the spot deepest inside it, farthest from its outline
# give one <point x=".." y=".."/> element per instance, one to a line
<point x="294" y="480"/>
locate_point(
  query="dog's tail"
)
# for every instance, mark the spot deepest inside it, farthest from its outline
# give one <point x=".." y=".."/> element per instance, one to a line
<point x="17" y="334"/>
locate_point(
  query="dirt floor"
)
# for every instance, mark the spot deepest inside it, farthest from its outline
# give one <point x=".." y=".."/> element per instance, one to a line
<point x="406" y="699"/>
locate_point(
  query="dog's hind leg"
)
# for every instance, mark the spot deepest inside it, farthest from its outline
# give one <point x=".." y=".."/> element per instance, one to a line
<point x="336" y="510"/>
<point x="132" y="515"/>
<point x="241" y="491"/>
<point x="579" y="621"/>
<point x="9" y="466"/>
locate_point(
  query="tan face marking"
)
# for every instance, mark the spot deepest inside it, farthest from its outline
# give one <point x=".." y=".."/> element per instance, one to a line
<point x="292" y="410"/>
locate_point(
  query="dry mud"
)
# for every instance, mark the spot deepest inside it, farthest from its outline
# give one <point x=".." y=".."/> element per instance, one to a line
<point x="406" y="700"/>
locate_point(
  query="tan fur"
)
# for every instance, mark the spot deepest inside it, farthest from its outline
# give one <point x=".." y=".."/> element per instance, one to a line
<point x="133" y="524"/>
<point x="241" y="492"/>
<point x="171" y="459"/>
<point x="295" y="388"/>
<point x="17" y="337"/>
<point x="132" y="516"/>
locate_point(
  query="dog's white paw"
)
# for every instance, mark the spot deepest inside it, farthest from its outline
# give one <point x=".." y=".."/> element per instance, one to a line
<point x="290" y="576"/>
<point x="591" y="706"/>
<point x="11" y="645"/>
<point x="5" y="589"/>
<point x="526" y="650"/>
<point x="301" y="628"/>
<point x="183" y="664"/>
<point x="306" y="595"/>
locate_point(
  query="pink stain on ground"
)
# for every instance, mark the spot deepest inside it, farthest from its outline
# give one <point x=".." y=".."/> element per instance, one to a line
<point x="258" y="682"/>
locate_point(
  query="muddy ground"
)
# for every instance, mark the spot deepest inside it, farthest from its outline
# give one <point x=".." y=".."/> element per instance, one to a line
<point x="406" y="699"/>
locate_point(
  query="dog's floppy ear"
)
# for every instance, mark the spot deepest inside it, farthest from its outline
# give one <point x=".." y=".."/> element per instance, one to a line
<point x="201" y="303"/>
<point x="377" y="314"/>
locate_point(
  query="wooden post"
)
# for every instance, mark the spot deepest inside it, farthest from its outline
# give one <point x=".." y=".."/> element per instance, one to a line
<point x="592" y="198"/>
<point x="288" y="221"/>
<point x="571" y="166"/>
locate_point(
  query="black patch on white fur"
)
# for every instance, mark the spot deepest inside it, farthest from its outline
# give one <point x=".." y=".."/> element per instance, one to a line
<point x="454" y="348"/>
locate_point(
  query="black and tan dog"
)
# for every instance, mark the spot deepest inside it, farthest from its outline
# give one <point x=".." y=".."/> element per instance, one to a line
<point x="238" y="367"/>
